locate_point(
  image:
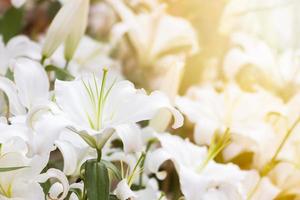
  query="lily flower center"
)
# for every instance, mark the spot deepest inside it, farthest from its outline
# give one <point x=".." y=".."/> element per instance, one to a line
<point x="98" y="97"/>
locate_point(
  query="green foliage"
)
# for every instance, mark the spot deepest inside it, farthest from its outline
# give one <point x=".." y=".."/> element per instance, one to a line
<point x="60" y="74"/>
<point x="11" y="23"/>
<point x="96" y="180"/>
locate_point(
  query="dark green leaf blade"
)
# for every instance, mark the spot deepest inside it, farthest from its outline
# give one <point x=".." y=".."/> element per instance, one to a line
<point x="97" y="180"/>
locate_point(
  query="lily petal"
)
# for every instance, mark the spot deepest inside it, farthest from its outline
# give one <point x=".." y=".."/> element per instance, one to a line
<point x="32" y="82"/>
<point x="9" y="88"/>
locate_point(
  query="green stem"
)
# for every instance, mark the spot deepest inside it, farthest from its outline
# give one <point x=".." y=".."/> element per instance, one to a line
<point x="216" y="146"/>
<point x="67" y="64"/>
<point x="130" y="179"/>
<point x="143" y="161"/>
<point x="272" y="163"/>
<point x="43" y="59"/>
<point x="250" y="195"/>
<point x="99" y="155"/>
<point x="287" y="135"/>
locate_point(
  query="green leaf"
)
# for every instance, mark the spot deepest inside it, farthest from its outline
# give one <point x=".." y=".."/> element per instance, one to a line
<point x="60" y="74"/>
<point x="8" y="169"/>
<point x="11" y="23"/>
<point x="46" y="187"/>
<point x="96" y="180"/>
<point x="86" y="137"/>
<point x="9" y="74"/>
<point x="113" y="169"/>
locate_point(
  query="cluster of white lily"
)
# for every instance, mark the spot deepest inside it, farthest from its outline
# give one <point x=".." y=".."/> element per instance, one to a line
<point x="65" y="97"/>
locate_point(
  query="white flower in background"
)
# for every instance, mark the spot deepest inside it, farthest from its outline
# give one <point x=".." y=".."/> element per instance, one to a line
<point x="98" y="106"/>
<point x="90" y="57"/>
<point x="289" y="118"/>
<point x="101" y="20"/>
<point x="58" y="190"/>
<point x="123" y="191"/>
<point x="18" y="3"/>
<point x="67" y="27"/>
<point x="274" y="21"/>
<point x="150" y="192"/>
<point x="19" y="46"/>
<point x="160" y="42"/>
<point x="31" y="87"/>
<point x="253" y="63"/>
<point x="21" y="183"/>
<point x="135" y="175"/>
<point x="209" y="181"/>
<point x="243" y="113"/>
<point x="285" y="149"/>
<point x="32" y="112"/>
<point x="153" y="35"/>
<point x="286" y="177"/>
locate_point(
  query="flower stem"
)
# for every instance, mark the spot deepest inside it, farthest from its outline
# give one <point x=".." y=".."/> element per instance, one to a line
<point x="250" y="195"/>
<point x="140" y="160"/>
<point x="287" y="135"/>
<point x="216" y="146"/>
<point x="143" y="161"/>
<point x="99" y="155"/>
<point x="272" y="163"/>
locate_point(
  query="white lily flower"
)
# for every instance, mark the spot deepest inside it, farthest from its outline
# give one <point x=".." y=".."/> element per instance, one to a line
<point x="68" y="26"/>
<point x="89" y="57"/>
<point x="25" y="92"/>
<point x="39" y="138"/>
<point x="97" y="106"/>
<point x="21" y="183"/>
<point x="286" y="177"/>
<point x="243" y="113"/>
<point x="160" y="41"/>
<point x="254" y="63"/>
<point x="123" y="191"/>
<point x="214" y="181"/>
<point x="155" y="40"/>
<point x="37" y="127"/>
<point x="59" y="190"/>
<point x="260" y="18"/>
<point x="150" y="192"/>
<point x="19" y="46"/>
<point x="74" y="151"/>
<point x="30" y="106"/>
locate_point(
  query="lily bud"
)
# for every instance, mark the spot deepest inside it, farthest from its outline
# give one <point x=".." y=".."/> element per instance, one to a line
<point x="68" y="26"/>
